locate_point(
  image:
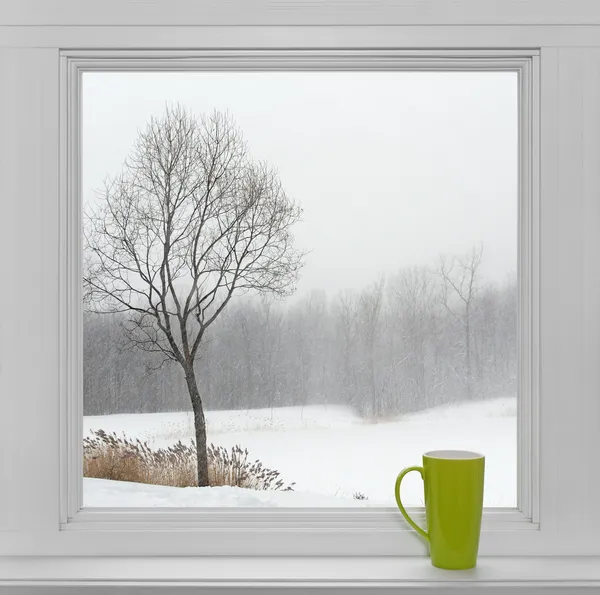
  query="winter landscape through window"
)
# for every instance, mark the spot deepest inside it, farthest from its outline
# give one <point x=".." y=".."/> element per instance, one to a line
<point x="295" y="283"/>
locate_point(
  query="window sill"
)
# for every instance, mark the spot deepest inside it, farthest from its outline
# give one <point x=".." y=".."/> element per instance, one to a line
<point x="383" y="574"/>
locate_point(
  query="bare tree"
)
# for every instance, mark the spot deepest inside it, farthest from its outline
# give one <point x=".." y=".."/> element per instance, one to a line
<point x="413" y="295"/>
<point x="260" y="329"/>
<point x="370" y="306"/>
<point x="459" y="279"/>
<point x="190" y="221"/>
<point x="346" y="310"/>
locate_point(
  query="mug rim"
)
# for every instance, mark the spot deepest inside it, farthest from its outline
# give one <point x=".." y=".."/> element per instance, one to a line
<point x="453" y="455"/>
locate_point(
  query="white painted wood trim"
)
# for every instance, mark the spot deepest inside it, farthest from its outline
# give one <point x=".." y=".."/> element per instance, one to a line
<point x="567" y="35"/>
<point x="292" y="573"/>
<point x="120" y="519"/>
<point x="300" y="12"/>
<point x="529" y="277"/>
<point x="389" y="59"/>
<point x="408" y="37"/>
<point x="293" y="37"/>
<point x="29" y="287"/>
<point x="71" y="312"/>
<point x="369" y="524"/>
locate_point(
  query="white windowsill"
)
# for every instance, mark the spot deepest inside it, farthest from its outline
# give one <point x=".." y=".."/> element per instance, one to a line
<point x="383" y="573"/>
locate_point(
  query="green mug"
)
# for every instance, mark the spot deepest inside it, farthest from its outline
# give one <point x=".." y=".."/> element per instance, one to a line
<point x="453" y="506"/>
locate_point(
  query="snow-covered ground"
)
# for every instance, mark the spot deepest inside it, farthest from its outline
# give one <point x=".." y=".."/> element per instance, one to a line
<point x="329" y="452"/>
<point x="103" y="493"/>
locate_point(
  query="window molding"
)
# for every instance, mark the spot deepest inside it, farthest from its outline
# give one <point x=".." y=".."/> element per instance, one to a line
<point x="311" y="575"/>
<point x="185" y="37"/>
<point x="32" y="111"/>
<point x="284" y="523"/>
<point x="528" y="334"/>
<point x="283" y="12"/>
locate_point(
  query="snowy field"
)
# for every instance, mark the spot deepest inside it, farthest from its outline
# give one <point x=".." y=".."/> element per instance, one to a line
<point x="329" y="452"/>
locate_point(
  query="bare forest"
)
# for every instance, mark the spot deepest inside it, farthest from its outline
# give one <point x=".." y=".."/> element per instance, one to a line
<point x="399" y="345"/>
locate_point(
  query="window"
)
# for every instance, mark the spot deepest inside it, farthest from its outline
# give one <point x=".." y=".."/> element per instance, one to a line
<point x="316" y="269"/>
<point x="46" y="534"/>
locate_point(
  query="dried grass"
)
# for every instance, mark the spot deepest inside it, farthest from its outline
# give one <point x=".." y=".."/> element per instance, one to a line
<point x="108" y="456"/>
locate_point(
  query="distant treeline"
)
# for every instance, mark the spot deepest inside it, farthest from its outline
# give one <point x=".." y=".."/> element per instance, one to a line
<point x="418" y="339"/>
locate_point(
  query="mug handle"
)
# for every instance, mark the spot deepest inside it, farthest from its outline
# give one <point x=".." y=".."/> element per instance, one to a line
<point x="399" y="479"/>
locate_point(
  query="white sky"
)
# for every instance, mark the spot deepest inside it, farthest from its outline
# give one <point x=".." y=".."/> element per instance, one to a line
<point x="391" y="168"/>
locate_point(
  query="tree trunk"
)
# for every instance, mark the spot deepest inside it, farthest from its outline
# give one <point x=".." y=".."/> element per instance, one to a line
<point x="468" y="354"/>
<point x="199" y="425"/>
<point x="374" y="395"/>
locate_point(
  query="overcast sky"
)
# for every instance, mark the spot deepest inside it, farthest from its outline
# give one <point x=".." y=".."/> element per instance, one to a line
<point x="391" y="168"/>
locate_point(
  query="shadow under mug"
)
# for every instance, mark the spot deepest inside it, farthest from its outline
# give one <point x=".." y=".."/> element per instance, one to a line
<point x="453" y="506"/>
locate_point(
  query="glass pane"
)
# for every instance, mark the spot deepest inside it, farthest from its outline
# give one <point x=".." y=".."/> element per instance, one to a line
<point x="297" y="283"/>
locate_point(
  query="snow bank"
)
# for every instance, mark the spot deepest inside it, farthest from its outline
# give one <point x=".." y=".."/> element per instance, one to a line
<point x="104" y="493"/>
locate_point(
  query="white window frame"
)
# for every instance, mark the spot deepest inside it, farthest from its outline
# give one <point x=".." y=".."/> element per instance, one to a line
<point x="45" y="46"/>
<point x="369" y="523"/>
